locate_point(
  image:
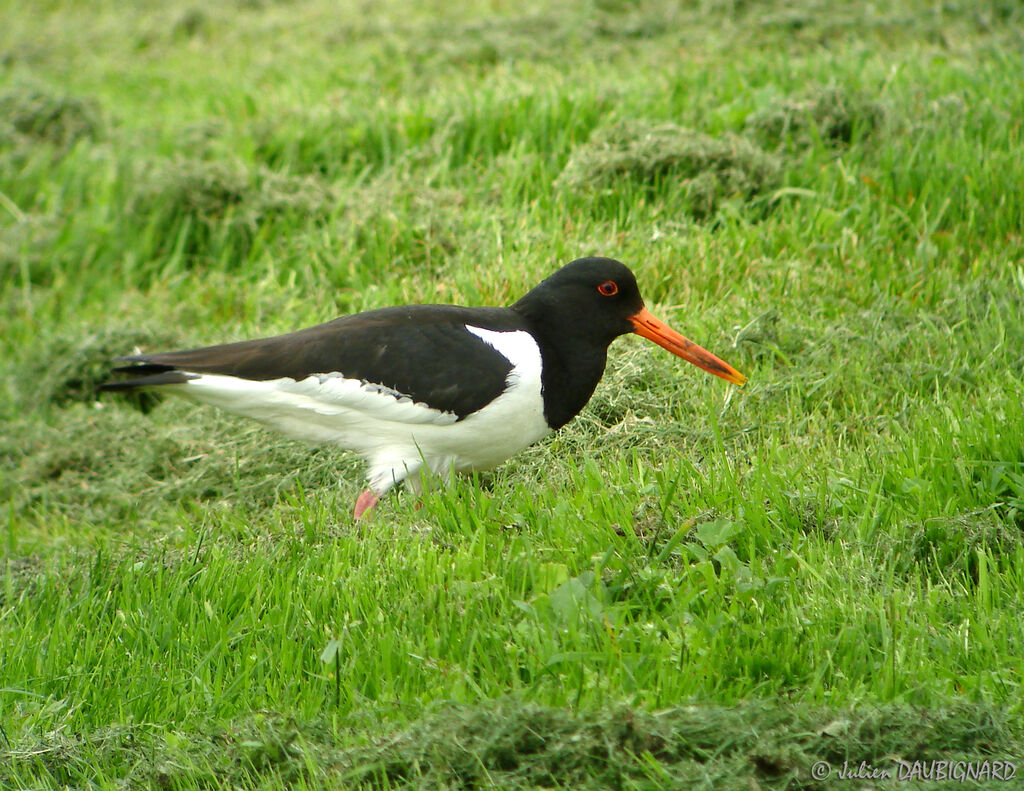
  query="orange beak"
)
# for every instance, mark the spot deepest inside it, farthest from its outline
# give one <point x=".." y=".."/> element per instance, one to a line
<point x="658" y="331"/>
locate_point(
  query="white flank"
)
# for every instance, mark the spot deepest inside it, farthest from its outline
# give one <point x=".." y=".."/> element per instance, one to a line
<point x="396" y="435"/>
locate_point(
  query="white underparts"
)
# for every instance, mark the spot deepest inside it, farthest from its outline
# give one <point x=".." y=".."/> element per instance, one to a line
<point x="397" y="436"/>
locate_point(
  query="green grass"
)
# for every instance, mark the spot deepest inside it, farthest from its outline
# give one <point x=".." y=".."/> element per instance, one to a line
<point x="689" y="586"/>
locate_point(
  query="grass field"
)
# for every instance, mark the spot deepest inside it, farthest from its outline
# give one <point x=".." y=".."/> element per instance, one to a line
<point x="691" y="585"/>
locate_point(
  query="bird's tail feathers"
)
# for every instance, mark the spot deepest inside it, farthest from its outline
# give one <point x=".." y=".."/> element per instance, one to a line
<point x="147" y="374"/>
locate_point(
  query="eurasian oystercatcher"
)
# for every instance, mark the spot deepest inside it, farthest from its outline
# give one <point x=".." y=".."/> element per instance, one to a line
<point x="428" y="386"/>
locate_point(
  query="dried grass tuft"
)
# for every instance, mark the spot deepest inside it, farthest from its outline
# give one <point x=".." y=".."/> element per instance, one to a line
<point x="666" y="158"/>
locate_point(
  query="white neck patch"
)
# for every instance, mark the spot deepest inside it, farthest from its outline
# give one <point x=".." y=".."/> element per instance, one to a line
<point x="516" y="346"/>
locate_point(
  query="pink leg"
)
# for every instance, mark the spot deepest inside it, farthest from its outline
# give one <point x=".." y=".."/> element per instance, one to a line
<point x="365" y="502"/>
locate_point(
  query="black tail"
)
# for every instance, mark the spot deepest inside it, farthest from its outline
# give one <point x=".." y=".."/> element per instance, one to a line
<point x="148" y="374"/>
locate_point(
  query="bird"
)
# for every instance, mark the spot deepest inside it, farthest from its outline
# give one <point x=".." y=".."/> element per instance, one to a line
<point x="428" y="388"/>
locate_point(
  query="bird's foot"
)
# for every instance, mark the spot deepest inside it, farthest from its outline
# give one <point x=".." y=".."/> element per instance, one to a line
<point x="364" y="503"/>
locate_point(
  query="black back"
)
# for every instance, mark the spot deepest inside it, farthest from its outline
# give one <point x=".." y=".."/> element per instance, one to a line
<point x="423" y="352"/>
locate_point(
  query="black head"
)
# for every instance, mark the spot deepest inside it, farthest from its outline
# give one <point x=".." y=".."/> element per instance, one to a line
<point x="577" y="312"/>
<point x="593" y="298"/>
<point x="592" y="301"/>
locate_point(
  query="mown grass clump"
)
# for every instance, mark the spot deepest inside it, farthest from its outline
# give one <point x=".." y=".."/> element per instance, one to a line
<point x="955" y="547"/>
<point x="76" y="365"/>
<point x="101" y="459"/>
<point x="56" y="118"/>
<point x="226" y="191"/>
<point x="669" y="160"/>
<point x="485" y="43"/>
<point x="192" y="22"/>
<point x="828" y="113"/>
<point x="515" y="745"/>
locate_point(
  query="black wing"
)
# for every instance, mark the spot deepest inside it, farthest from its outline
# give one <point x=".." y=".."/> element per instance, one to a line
<point x="424" y="352"/>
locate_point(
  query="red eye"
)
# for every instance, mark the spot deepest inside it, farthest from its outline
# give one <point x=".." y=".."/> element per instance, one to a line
<point x="609" y="288"/>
